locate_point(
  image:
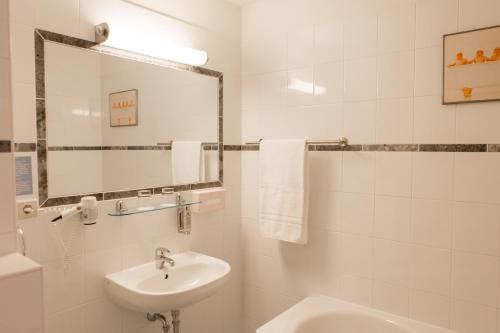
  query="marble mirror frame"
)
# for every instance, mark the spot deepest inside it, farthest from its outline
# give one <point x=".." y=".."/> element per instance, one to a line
<point x="42" y="36"/>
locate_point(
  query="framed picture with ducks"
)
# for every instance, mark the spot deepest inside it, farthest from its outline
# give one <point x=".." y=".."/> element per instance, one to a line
<point x="471" y="66"/>
<point x="123" y="108"/>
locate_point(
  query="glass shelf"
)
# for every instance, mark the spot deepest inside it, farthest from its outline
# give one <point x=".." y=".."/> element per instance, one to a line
<point x="152" y="208"/>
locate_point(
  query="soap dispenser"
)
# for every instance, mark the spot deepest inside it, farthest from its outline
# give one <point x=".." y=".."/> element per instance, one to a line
<point x="184" y="219"/>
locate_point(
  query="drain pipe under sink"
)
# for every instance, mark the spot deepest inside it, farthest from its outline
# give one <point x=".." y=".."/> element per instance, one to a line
<point x="176" y="323"/>
<point x="158" y="316"/>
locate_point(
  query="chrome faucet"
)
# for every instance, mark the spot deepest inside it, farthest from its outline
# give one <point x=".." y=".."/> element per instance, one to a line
<point x="161" y="258"/>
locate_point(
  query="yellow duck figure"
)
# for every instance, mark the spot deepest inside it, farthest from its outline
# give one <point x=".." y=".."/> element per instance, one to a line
<point x="459" y="60"/>
<point x="496" y="54"/>
<point x="480" y="57"/>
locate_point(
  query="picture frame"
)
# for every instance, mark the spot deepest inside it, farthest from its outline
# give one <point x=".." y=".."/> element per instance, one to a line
<point x="471" y="66"/>
<point x="123" y="108"/>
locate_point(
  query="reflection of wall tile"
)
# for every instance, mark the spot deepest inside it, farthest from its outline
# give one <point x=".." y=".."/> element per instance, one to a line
<point x="74" y="172"/>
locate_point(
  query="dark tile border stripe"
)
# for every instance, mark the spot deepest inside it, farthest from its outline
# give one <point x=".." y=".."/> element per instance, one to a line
<point x="21" y="147"/>
<point x="5" y="146"/>
<point x="494" y="148"/>
<point x="40" y="37"/>
<point x="454" y="148"/>
<point x="73" y="199"/>
<point x="334" y="148"/>
<point x="163" y="147"/>
<point x="395" y="147"/>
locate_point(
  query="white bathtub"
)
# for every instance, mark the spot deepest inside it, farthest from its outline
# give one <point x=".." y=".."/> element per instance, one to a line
<point x="320" y="314"/>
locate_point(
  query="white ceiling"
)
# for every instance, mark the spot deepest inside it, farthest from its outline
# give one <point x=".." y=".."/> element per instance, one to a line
<point x="239" y="2"/>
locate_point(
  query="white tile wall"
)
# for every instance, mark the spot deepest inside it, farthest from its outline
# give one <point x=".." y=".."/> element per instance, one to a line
<point x="415" y="234"/>
<point x="74" y="298"/>
<point x="75" y="259"/>
<point x="7" y="217"/>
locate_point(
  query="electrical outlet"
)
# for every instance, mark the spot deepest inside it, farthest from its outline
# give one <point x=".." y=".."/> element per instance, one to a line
<point x="27" y="209"/>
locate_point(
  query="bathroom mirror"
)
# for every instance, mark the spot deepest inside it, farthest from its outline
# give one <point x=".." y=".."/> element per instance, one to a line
<point x="107" y="120"/>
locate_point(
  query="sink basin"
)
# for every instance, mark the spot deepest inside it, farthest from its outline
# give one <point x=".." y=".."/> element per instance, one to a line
<point x="145" y="288"/>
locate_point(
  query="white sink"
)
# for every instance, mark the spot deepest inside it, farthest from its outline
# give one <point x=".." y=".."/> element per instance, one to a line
<point x="148" y="289"/>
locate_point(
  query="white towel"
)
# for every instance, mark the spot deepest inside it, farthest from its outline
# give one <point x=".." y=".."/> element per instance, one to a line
<point x="188" y="162"/>
<point x="283" y="190"/>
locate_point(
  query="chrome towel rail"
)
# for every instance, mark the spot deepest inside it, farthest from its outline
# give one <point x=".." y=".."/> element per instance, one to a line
<point x="203" y="143"/>
<point x="340" y="142"/>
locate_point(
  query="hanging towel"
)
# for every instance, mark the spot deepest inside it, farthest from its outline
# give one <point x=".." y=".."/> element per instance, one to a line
<point x="188" y="162"/>
<point x="283" y="190"/>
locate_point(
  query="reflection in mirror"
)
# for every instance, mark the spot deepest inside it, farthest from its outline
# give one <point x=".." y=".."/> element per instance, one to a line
<point x="111" y="121"/>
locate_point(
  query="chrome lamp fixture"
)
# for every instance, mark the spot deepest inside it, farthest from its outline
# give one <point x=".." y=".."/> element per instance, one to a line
<point x="139" y="44"/>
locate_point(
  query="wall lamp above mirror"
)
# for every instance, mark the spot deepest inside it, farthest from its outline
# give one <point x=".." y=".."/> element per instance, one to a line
<point x="135" y="41"/>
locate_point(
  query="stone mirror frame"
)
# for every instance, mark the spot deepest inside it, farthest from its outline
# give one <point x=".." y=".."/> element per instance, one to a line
<point x="41" y="38"/>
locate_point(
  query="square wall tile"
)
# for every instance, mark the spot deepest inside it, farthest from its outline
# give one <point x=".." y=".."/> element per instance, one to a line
<point x="358" y="8"/>
<point x="394" y="121"/>
<point x="429" y="71"/>
<point x="476" y="177"/>
<point x="431" y="223"/>
<point x="469" y="317"/>
<point x="63" y="285"/>
<point x="358" y="172"/>
<point x="97" y="265"/>
<point x="325" y="171"/>
<point x="475" y="14"/>
<point x="328" y="42"/>
<point x="23" y="12"/>
<point x="357" y="213"/>
<point x="23" y="54"/>
<point x="70" y="320"/>
<point x="360" y="79"/>
<point x="391" y="262"/>
<point x="250" y="92"/>
<point x="396" y="27"/>
<point x="360" y="38"/>
<point x="24" y="112"/>
<point x="476" y="228"/>
<point x="300" y="47"/>
<point x="393" y="173"/>
<point x="435" y="19"/>
<point x="356" y="289"/>
<point x="477" y="123"/>
<point x="433" y="175"/>
<point x="301" y="87"/>
<point x="266" y="54"/>
<point x="430" y="308"/>
<point x="430" y="269"/>
<point x="272" y="92"/>
<point x="7" y="194"/>
<point x="391" y="298"/>
<point x="8" y="243"/>
<point x="4" y="31"/>
<point x="392" y="218"/>
<point x="359" y="121"/>
<point x="475" y="278"/>
<point x="5" y="100"/>
<point x="101" y="316"/>
<point x="396" y="75"/>
<point x="325" y="210"/>
<point x="328" y="83"/>
<point x="432" y="121"/>
<point x="357" y="255"/>
<point x="326" y="121"/>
